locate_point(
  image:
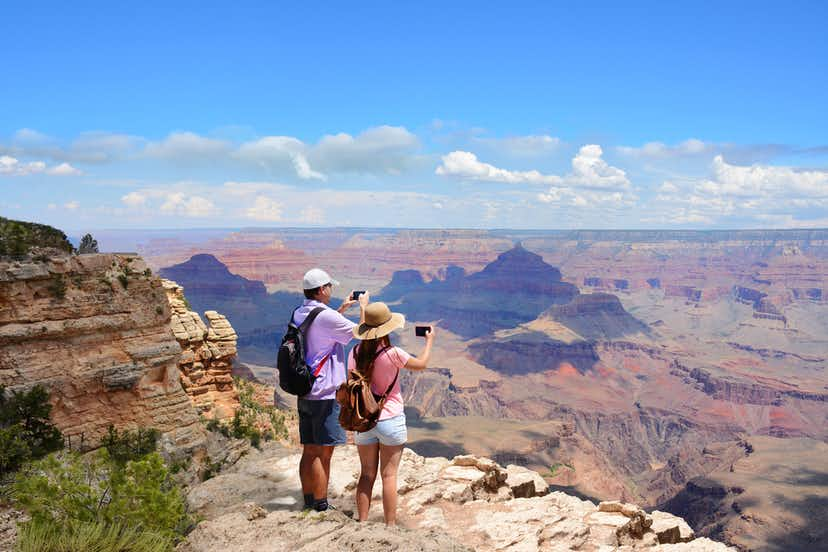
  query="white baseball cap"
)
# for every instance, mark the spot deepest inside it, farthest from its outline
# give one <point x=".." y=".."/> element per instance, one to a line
<point x="316" y="277"/>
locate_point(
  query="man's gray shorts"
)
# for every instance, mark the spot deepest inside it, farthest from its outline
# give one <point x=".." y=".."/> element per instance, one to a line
<point x="319" y="423"/>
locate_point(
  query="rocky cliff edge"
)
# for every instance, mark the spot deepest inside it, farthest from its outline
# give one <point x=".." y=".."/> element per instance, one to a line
<point x="467" y="503"/>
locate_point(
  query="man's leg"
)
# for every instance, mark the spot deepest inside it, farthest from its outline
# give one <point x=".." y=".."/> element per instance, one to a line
<point x="310" y="451"/>
<point x="310" y="456"/>
<point x="322" y="472"/>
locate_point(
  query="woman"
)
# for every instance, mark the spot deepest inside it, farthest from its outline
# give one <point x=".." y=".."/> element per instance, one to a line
<point x="380" y="363"/>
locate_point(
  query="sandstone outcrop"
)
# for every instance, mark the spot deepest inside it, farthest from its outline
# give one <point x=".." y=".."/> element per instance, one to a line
<point x="208" y="352"/>
<point x="469" y="500"/>
<point x="94" y="330"/>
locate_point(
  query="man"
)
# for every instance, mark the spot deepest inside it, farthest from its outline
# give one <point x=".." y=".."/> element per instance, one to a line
<point x="319" y="429"/>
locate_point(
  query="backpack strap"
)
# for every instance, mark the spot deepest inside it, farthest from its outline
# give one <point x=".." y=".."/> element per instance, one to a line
<point x="304" y="326"/>
<point x="309" y="319"/>
<point x="390" y="387"/>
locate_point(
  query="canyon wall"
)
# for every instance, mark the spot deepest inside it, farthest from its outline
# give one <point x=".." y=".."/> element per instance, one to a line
<point x="95" y="331"/>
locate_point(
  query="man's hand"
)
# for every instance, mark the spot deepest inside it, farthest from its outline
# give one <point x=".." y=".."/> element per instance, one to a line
<point x="347" y="303"/>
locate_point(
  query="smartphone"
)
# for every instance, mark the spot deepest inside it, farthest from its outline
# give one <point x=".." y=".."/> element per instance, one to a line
<point x="355" y="295"/>
<point x="420" y="331"/>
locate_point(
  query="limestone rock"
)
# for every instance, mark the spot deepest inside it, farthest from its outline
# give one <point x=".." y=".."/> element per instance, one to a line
<point x="468" y="499"/>
<point x="206" y="362"/>
<point x="525" y="483"/>
<point x="670" y="529"/>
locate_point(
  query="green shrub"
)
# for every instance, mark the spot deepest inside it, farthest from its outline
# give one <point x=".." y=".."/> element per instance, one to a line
<point x="57" y="287"/>
<point x="124" y="280"/>
<point x="18" y="237"/>
<point x="251" y="420"/>
<point x="88" y="244"/>
<point x="128" y="445"/>
<point x="39" y="536"/>
<point x="25" y="430"/>
<point x="64" y="488"/>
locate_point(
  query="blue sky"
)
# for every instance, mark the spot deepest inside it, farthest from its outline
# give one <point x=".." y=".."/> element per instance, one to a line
<point x="540" y="115"/>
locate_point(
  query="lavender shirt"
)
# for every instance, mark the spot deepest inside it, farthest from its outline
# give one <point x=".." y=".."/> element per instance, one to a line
<point x="329" y="333"/>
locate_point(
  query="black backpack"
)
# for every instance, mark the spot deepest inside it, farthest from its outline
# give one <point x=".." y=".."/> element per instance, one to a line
<point x="295" y="376"/>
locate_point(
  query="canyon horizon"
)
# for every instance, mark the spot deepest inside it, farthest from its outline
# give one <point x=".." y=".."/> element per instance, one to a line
<point x="682" y="370"/>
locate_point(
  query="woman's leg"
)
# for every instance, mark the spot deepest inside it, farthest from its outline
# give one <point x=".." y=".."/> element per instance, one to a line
<point x="368" y="460"/>
<point x="389" y="464"/>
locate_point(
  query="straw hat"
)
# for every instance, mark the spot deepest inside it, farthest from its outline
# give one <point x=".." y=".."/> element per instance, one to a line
<point x="379" y="321"/>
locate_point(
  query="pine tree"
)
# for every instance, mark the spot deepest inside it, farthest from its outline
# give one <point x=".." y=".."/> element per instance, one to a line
<point x="88" y="244"/>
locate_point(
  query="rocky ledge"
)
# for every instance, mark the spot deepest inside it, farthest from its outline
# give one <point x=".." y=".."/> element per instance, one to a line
<point x="467" y="503"/>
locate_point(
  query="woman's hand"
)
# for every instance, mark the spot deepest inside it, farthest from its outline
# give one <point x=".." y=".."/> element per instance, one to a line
<point x="429" y="336"/>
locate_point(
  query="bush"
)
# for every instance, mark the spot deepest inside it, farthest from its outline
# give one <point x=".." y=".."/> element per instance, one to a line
<point x="25" y="430"/>
<point x="88" y="244"/>
<point x="79" y="536"/>
<point x="251" y="420"/>
<point x="128" y="445"/>
<point x="67" y="488"/>
<point x="18" y="237"/>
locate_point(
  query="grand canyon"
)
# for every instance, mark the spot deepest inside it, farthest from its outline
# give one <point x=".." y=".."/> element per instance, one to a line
<point x="677" y="369"/>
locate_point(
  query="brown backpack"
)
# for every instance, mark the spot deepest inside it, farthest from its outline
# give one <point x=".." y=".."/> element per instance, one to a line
<point x="359" y="407"/>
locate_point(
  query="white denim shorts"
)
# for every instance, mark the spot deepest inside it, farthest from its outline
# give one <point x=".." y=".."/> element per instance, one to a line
<point x="388" y="432"/>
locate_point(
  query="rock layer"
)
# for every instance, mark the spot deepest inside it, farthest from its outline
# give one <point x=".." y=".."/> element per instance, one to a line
<point x="206" y="363"/>
<point x="94" y="330"/>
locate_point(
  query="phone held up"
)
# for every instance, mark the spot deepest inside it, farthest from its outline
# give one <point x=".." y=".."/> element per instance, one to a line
<point x="355" y="295"/>
<point x="420" y="331"/>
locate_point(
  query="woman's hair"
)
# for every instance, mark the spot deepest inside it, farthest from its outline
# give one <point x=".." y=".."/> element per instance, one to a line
<point x="366" y="352"/>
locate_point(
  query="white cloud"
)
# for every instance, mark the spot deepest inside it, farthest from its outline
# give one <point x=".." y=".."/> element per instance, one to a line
<point x="303" y="169"/>
<point x="12" y="167"/>
<point x="378" y="150"/>
<point x="265" y="209"/>
<point x="186" y="146"/>
<point x="464" y="164"/>
<point x="763" y="181"/>
<point x="178" y="203"/>
<point x="589" y="170"/>
<point x="64" y="169"/>
<point x="71" y="205"/>
<point x="134" y="199"/>
<point x="759" y="192"/>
